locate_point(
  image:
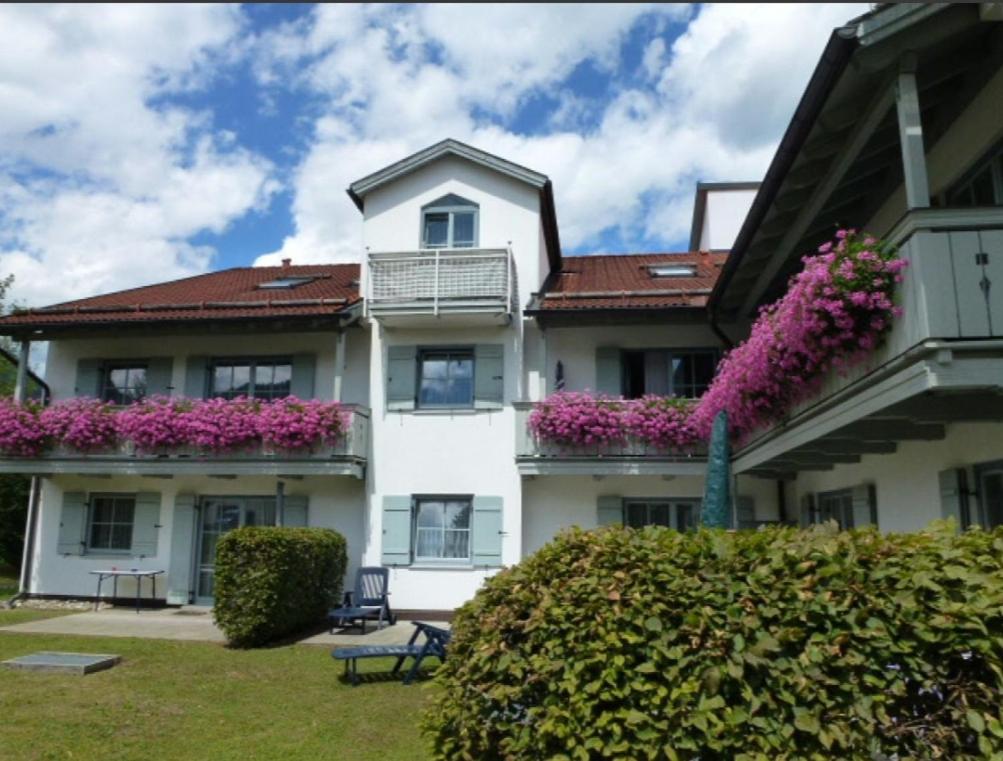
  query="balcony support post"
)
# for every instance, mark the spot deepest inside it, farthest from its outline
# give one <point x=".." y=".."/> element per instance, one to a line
<point x="280" y="503"/>
<point x="21" y="384"/>
<point x="435" y="289"/>
<point x="917" y="184"/>
<point x="339" y="365"/>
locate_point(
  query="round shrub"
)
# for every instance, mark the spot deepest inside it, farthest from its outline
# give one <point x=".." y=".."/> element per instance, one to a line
<point x="773" y="644"/>
<point x="272" y="581"/>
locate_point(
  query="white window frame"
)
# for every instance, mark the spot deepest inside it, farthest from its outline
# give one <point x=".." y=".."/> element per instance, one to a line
<point x="128" y="365"/>
<point x="416" y="502"/>
<point x="449" y="351"/>
<point x="252" y="364"/>
<point x="451" y="210"/>
<point x="673" y="505"/>
<point x="89" y="546"/>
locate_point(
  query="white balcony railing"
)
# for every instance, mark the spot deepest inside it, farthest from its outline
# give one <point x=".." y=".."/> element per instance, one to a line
<point x="441" y="281"/>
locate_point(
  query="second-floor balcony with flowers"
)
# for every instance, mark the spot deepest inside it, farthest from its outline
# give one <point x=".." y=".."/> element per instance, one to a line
<point x="581" y="433"/>
<point x="470" y="285"/>
<point x="165" y="436"/>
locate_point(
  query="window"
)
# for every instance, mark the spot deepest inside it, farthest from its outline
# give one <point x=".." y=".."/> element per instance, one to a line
<point x="123" y="383"/>
<point x="667" y="372"/>
<point x="445" y="378"/>
<point x="990" y="482"/>
<point x="675" y="514"/>
<point x="673" y="270"/>
<point x="111" y="518"/>
<point x="450" y="222"/>
<point x="442" y="528"/>
<point x="836" y="506"/>
<point x="287" y="282"/>
<point x="256" y="378"/>
<point x="981" y="187"/>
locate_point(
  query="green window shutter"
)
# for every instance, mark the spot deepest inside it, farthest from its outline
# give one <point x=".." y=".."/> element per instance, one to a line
<point x="294" y="510"/>
<point x="197" y="377"/>
<point x="807" y="510"/>
<point x="179" y="569"/>
<point x="401" y="371"/>
<point x="610" y="511"/>
<point x="88" y="381"/>
<point x="745" y="512"/>
<point x="303" y="372"/>
<point x="486" y="532"/>
<point x="865" y="505"/>
<point x="146" y="524"/>
<point x="396" y="530"/>
<point x="72" y="523"/>
<point x="954" y="496"/>
<point x="608" y="371"/>
<point x="489" y="376"/>
<point x="159" y="372"/>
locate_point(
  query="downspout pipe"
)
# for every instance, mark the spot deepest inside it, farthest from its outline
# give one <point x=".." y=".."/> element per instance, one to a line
<point x="24" y="584"/>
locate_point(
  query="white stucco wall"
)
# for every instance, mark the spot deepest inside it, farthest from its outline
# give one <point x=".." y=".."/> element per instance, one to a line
<point x="334" y="502"/>
<point x="61" y="367"/>
<point x="723" y="217"/>
<point x="554" y="503"/>
<point x="576" y="347"/>
<point x="907" y="489"/>
<point x="509" y="213"/>
<point x="443" y="452"/>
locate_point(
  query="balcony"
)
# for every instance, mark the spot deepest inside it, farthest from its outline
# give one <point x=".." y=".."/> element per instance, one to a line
<point x="630" y="458"/>
<point x="468" y="286"/>
<point x="942" y="362"/>
<point x="347" y="457"/>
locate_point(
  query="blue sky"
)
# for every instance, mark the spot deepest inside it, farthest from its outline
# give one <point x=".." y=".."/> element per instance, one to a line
<point x="143" y="143"/>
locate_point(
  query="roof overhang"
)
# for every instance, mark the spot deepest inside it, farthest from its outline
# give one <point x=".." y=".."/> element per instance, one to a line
<point x="569" y="318"/>
<point x="840" y="158"/>
<point x="68" y="328"/>
<point x="358" y="190"/>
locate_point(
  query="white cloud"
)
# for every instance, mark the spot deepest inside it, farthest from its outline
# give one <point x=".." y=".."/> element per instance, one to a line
<point x="725" y="90"/>
<point x="102" y="187"/>
<point x="105" y="184"/>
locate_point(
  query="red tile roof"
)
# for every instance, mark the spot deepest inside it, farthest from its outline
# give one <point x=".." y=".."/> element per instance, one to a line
<point x="226" y="295"/>
<point x="624" y="281"/>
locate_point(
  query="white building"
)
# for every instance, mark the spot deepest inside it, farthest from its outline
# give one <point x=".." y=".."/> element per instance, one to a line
<point x="463" y="312"/>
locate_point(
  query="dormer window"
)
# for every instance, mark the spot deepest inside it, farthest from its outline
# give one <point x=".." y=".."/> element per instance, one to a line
<point x="449" y="222"/>
<point x="672" y="270"/>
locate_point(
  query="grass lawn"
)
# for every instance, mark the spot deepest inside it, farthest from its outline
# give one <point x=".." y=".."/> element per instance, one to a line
<point x="186" y="700"/>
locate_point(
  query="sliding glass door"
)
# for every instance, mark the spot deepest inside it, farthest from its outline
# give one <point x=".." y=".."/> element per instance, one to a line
<point x="218" y="516"/>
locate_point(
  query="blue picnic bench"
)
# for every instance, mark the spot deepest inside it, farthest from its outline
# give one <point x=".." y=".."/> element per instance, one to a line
<point x="436" y="641"/>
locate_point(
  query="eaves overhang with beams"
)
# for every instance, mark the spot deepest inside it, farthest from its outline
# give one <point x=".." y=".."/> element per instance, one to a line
<point x="840" y="157"/>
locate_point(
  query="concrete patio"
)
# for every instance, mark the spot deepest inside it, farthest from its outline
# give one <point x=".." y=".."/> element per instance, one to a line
<point x="189" y="624"/>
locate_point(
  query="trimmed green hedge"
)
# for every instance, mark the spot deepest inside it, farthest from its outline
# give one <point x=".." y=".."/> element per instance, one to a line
<point x="771" y="644"/>
<point x="273" y="581"/>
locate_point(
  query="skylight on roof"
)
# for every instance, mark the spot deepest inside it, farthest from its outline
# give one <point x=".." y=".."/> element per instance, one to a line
<point x="286" y="282"/>
<point x="672" y="270"/>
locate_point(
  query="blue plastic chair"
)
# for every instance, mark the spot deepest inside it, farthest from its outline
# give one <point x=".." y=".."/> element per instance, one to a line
<point x="370" y="600"/>
<point x="436" y="642"/>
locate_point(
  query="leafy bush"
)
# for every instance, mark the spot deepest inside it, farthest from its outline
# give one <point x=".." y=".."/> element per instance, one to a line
<point x="773" y="644"/>
<point x="272" y="581"/>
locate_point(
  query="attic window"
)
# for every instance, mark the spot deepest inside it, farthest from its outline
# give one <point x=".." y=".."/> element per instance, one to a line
<point x="672" y="270"/>
<point x="286" y="282"/>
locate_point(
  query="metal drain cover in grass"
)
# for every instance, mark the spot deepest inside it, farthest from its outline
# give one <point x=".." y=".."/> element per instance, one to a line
<point x="63" y="663"/>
